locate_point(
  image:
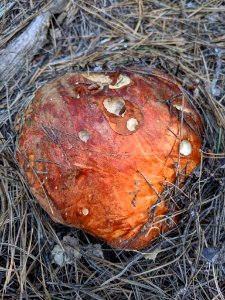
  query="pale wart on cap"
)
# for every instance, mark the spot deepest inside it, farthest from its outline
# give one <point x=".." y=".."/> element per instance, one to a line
<point x="185" y="148"/>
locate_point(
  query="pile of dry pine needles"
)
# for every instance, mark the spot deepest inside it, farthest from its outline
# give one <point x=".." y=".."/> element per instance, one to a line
<point x="40" y="40"/>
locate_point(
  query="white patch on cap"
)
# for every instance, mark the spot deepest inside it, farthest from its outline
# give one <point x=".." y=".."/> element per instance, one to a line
<point x="121" y="81"/>
<point x="132" y="124"/>
<point x="97" y="77"/>
<point x="85" y="211"/>
<point x="181" y="108"/>
<point x="84" y="135"/>
<point x="115" y="105"/>
<point x="185" y="148"/>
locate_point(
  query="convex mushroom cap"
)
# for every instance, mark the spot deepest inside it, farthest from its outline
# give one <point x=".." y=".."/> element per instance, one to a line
<point x="98" y="149"/>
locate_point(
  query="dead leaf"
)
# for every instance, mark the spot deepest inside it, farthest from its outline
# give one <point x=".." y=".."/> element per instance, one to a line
<point x="153" y="254"/>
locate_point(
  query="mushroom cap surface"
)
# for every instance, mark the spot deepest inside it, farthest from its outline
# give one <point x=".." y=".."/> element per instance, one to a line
<point x="99" y="148"/>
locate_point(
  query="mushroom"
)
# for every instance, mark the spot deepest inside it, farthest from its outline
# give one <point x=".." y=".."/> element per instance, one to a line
<point x="98" y="149"/>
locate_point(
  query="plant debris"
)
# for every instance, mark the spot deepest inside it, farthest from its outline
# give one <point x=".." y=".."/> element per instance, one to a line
<point x="67" y="252"/>
<point x="215" y="255"/>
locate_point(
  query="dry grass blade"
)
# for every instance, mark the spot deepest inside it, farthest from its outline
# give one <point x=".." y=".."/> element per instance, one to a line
<point x="182" y="38"/>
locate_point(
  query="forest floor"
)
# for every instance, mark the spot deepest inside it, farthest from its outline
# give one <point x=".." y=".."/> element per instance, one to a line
<point x="40" y="40"/>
